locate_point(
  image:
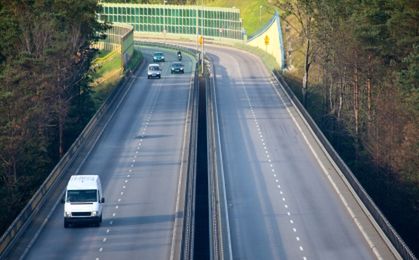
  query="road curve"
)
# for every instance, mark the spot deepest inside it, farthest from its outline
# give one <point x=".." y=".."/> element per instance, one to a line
<point x="139" y="158"/>
<point x="280" y="203"/>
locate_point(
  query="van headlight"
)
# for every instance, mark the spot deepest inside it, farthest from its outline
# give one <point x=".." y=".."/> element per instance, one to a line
<point x="94" y="213"/>
<point x="67" y="214"/>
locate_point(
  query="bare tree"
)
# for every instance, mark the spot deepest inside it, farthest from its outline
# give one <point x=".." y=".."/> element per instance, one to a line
<point x="303" y="12"/>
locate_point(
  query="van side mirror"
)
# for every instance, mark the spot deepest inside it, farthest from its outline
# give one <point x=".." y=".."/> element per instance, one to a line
<point x="62" y="200"/>
<point x="102" y="200"/>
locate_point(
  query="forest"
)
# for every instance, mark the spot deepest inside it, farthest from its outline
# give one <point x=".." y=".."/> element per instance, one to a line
<point x="355" y="66"/>
<point x="45" y="97"/>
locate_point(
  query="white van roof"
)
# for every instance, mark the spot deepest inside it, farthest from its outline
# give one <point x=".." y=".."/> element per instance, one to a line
<point x="83" y="182"/>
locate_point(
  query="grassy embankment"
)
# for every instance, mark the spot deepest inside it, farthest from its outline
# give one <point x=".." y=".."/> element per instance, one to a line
<point x="109" y="72"/>
<point x="249" y="11"/>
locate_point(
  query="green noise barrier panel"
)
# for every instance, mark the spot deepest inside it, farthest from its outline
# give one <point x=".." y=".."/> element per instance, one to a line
<point x="177" y="19"/>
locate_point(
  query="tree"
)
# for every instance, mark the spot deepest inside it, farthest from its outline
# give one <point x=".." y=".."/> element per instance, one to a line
<point x="303" y="11"/>
<point x="45" y="59"/>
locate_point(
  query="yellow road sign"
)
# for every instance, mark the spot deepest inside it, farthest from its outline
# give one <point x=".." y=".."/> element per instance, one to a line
<point x="201" y="40"/>
<point x="266" y="40"/>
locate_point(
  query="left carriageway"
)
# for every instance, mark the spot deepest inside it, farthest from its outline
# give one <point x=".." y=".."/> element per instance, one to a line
<point x="141" y="158"/>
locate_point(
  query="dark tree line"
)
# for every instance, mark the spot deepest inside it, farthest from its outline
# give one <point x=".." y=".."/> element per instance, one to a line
<point x="360" y="76"/>
<point x="45" y="100"/>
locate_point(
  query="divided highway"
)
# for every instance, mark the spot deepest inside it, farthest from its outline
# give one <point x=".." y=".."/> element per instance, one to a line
<point x="141" y="159"/>
<point x="280" y="199"/>
<point x="280" y="202"/>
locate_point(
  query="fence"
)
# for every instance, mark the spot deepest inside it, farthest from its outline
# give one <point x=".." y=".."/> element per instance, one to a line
<point x="177" y="19"/>
<point x="120" y="37"/>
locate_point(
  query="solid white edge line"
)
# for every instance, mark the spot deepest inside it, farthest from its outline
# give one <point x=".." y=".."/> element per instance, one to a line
<point x="141" y="67"/>
<point x="172" y="248"/>
<point x="221" y="163"/>
<point x="366" y="237"/>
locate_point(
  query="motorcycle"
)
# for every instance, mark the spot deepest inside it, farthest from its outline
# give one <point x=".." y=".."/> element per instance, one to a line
<point x="179" y="57"/>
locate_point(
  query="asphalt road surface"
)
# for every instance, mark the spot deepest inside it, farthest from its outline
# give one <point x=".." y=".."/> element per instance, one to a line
<point x="281" y="205"/>
<point x="139" y="160"/>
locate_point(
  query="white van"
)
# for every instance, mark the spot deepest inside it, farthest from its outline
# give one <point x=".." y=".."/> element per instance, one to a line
<point x="83" y="200"/>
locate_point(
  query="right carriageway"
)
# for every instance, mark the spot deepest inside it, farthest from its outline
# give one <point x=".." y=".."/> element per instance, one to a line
<point x="283" y="196"/>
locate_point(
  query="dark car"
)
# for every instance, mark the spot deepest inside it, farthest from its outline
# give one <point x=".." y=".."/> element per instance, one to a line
<point x="177" y="67"/>
<point x="158" y="57"/>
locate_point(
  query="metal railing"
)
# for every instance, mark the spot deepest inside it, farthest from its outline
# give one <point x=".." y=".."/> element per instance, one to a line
<point x="187" y="240"/>
<point x="220" y="228"/>
<point x="91" y="131"/>
<point x="377" y="216"/>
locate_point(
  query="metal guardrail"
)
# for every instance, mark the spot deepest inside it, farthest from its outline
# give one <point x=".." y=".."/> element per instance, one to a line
<point x="186" y="250"/>
<point x="19" y="225"/>
<point x="188" y="216"/>
<point x="381" y="220"/>
<point x="220" y="229"/>
<point x="187" y="242"/>
<point x="23" y="220"/>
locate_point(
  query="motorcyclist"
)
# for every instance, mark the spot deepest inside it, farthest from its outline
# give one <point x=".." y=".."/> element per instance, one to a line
<point x="179" y="55"/>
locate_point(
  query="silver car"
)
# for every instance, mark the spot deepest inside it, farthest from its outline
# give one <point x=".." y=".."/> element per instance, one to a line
<point x="154" y="71"/>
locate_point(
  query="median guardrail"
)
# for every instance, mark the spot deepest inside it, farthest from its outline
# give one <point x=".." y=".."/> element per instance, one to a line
<point x="220" y="228"/>
<point x="374" y="212"/>
<point x="187" y="226"/>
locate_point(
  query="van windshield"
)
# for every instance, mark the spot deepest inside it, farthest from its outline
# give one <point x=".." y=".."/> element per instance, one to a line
<point x="82" y="196"/>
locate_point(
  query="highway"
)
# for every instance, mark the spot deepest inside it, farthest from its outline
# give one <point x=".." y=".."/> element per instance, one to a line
<point x="281" y="205"/>
<point x="140" y="158"/>
<point x="281" y="201"/>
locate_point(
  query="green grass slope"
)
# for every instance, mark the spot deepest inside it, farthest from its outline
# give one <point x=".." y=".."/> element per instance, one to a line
<point x="249" y="11"/>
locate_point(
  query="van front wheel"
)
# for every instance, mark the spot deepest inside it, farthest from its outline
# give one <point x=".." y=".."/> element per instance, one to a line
<point x="66" y="225"/>
<point x="97" y="224"/>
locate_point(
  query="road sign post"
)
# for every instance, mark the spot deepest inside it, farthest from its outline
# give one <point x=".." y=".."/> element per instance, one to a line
<point x="266" y="42"/>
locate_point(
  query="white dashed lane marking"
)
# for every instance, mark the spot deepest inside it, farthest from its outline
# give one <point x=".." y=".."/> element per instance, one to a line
<point x="276" y="180"/>
<point x="144" y="129"/>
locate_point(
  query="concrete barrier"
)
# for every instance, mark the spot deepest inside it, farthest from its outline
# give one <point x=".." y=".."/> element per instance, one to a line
<point x="269" y="39"/>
